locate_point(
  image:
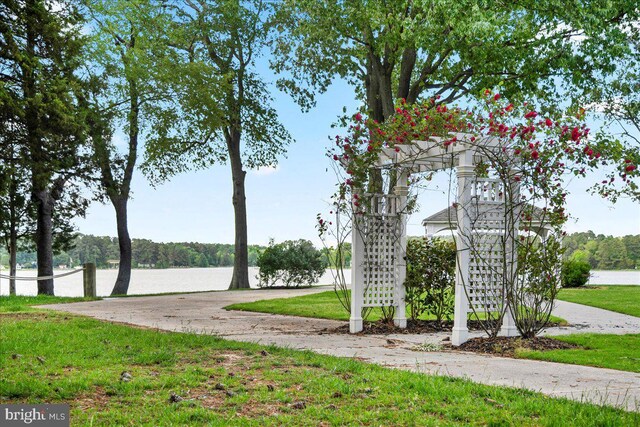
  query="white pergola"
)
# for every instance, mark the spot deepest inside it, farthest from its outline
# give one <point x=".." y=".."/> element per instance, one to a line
<point x="379" y="235"/>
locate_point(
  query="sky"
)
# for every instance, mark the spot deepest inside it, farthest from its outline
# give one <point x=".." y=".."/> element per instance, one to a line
<point x="282" y="202"/>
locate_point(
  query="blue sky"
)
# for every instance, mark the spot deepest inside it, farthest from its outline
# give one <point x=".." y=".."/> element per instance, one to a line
<point x="283" y="203"/>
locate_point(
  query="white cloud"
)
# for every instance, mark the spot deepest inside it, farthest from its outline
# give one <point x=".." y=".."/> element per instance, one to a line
<point x="266" y="170"/>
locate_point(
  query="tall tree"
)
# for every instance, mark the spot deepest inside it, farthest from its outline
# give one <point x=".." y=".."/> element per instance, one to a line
<point x="40" y="53"/>
<point x="225" y="105"/>
<point x="16" y="219"/>
<point x="127" y="53"/>
<point x="415" y="48"/>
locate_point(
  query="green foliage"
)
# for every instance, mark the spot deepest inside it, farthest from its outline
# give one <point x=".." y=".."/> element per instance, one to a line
<point x="430" y="278"/>
<point x="43" y="134"/>
<point x="222" y="111"/>
<point x="418" y="49"/>
<point x="290" y="263"/>
<point x="575" y="273"/>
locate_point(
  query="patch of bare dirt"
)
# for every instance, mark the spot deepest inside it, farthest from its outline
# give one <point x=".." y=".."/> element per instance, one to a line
<point x="98" y="399"/>
<point x="507" y="346"/>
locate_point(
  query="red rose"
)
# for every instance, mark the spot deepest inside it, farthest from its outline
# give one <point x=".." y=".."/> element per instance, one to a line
<point x="549" y="122"/>
<point x="575" y="134"/>
<point x="531" y="115"/>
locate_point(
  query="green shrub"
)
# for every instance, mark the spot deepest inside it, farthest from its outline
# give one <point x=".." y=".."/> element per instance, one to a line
<point x="575" y="273"/>
<point x="430" y="278"/>
<point x="290" y="263"/>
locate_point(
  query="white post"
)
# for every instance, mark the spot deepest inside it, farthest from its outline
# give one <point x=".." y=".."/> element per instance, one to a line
<point x="357" y="276"/>
<point x="465" y="172"/>
<point x="402" y="191"/>
<point x="512" y="223"/>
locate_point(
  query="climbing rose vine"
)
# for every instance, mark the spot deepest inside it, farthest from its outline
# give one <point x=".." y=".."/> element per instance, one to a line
<point x="520" y="146"/>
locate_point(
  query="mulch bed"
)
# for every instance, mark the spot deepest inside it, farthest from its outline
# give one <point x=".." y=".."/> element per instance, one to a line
<point x="507" y="346"/>
<point x="413" y="327"/>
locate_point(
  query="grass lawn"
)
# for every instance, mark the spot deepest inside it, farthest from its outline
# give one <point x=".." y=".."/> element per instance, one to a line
<point x="322" y="305"/>
<point x="56" y="357"/>
<point x="620" y="352"/>
<point x="621" y="299"/>
<point x="21" y="303"/>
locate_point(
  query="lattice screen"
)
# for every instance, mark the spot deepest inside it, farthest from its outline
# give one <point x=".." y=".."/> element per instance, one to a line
<point x="382" y="228"/>
<point x="486" y="260"/>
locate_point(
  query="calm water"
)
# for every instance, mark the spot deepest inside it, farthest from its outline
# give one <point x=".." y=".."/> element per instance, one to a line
<point x="143" y="281"/>
<point x="147" y="281"/>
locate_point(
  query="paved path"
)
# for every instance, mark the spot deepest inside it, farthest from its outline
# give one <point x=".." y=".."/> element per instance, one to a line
<point x="204" y="313"/>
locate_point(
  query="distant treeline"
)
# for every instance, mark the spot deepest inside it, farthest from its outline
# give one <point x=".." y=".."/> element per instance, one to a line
<point x="146" y="254"/>
<point x="600" y="251"/>
<point x="604" y="252"/>
<point x="103" y="251"/>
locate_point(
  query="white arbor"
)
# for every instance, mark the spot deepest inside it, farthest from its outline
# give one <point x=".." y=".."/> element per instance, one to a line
<point x="486" y="228"/>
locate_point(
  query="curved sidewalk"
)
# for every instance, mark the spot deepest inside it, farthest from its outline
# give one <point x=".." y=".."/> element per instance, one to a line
<point x="204" y="313"/>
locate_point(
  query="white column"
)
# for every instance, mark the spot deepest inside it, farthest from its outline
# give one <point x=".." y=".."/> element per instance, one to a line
<point x="465" y="173"/>
<point x="512" y="224"/>
<point x="357" y="276"/>
<point x="402" y="191"/>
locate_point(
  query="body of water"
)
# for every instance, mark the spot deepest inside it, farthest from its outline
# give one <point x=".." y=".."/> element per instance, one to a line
<point x="152" y="281"/>
<point x="143" y="281"/>
<point x="615" y="277"/>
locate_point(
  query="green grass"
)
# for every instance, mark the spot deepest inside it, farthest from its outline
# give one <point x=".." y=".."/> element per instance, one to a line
<point x="61" y="358"/>
<point x="620" y="352"/>
<point x="322" y="305"/>
<point x="23" y="303"/>
<point x="621" y="299"/>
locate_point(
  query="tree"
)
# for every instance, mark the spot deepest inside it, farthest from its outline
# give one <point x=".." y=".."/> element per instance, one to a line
<point x="226" y="111"/>
<point x="16" y="217"/>
<point x="612" y="254"/>
<point x="413" y="48"/>
<point x="40" y="52"/>
<point x="128" y="53"/>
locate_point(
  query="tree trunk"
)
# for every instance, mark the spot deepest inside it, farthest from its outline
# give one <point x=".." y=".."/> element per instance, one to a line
<point x="44" y="240"/>
<point x="13" y="236"/>
<point x="13" y="243"/>
<point x="121" y="286"/>
<point x="240" y="278"/>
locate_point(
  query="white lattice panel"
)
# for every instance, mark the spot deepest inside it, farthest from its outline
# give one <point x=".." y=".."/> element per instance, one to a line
<point x="486" y="269"/>
<point x="486" y="261"/>
<point x="382" y="251"/>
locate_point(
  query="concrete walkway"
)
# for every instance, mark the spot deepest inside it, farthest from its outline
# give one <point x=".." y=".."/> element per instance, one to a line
<point x="204" y="313"/>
